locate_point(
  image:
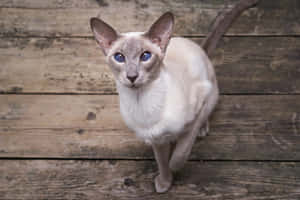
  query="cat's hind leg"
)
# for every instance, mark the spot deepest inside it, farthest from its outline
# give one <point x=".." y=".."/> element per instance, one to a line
<point x="185" y="142"/>
<point x="163" y="180"/>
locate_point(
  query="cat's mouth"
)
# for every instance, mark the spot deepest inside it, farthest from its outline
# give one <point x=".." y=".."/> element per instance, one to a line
<point x="133" y="86"/>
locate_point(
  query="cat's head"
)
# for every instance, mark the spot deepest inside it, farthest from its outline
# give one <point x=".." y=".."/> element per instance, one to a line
<point x="134" y="58"/>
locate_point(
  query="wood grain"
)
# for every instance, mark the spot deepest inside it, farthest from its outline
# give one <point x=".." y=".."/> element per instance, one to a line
<point x="80" y="126"/>
<point x="70" y="18"/>
<point x="85" y="4"/>
<point x="110" y="180"/>
<point x="244" y="65"/>
<point x="53" y="146"/>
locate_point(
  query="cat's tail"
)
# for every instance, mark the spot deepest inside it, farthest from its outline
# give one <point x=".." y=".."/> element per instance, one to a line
<point x="223" y="22"/>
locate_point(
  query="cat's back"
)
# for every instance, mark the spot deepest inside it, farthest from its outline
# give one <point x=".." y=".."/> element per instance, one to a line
<point x="187" y="58"/>
<point x="191" y="77"/>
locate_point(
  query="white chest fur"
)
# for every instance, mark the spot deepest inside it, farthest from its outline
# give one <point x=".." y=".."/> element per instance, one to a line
<point x="155" y="113"/>
<point x="160" y="111"/>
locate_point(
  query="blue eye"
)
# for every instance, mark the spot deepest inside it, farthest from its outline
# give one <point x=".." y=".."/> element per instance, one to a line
<point x="145" y="56"/>
<point x="119" y="57"/>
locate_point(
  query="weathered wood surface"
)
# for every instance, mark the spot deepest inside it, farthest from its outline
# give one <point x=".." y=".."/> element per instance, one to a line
<point x="67" y="4"/>
<point x="244" y="128"/>
<point x="76" y="126"/>
<point x="76" y="65"/>
<point x="71" y="18"/>
<point x="110" y="180"/>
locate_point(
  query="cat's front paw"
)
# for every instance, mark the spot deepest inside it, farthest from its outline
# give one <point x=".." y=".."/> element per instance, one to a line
<point x="163" y="184"/>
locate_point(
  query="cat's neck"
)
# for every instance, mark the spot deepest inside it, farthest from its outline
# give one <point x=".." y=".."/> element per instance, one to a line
<point x="143" y="107"/>
<point x="155" y="87"/>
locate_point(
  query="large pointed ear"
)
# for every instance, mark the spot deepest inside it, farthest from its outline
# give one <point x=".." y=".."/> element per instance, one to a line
<point x="160" y="32"/>
<point x="104" y="34"/>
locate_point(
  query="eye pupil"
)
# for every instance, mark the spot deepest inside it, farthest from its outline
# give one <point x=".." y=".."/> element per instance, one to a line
<point x="119" y="57"/>
<point x="145" y="56"/>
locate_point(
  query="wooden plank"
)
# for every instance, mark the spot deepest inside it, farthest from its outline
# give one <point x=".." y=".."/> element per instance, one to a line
<point x="67" y="179"/>
<point x="79" y="126"/>
<point x="70" y="18"/>
<point x="267" y="65"/>
<point x="54" y="4"/>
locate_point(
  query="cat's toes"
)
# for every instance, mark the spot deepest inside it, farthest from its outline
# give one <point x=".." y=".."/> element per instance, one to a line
<point x="204" y="130"/>
<point x="163" y="185"/>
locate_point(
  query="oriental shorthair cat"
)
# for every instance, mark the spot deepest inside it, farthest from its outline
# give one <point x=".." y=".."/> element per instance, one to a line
<point x="167" y="88"/>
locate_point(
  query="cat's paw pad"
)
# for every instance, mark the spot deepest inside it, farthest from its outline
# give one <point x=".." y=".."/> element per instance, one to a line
<point x="163" y="185"/>
<point x="204" y="130"/>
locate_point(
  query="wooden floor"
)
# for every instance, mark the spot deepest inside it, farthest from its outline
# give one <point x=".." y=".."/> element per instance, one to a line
<point x="61" y="135"/>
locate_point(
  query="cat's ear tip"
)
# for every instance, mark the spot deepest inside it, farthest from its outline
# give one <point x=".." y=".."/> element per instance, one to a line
<point x="169" y="14"/>
<point x="93" y="20"/>
<point x="96" y="22"/>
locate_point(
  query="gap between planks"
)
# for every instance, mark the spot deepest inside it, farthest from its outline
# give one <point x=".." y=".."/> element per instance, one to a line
<point x="107" y="94"/>
<point x="195" y="36"/>
<point x="146" y="159"/>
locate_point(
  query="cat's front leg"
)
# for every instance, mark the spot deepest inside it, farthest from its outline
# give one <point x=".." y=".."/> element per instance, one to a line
<point x="186" y="141"/>
<point x="163" y="181"/>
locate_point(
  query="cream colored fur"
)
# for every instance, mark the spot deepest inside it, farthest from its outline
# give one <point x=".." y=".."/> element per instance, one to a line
<point x="159" y="112"/>
<point x="171" y="98"/>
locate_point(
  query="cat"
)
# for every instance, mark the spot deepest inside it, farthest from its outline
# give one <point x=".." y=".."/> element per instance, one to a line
<point x="167" y="89"/>
<point x="167" y="86"/>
